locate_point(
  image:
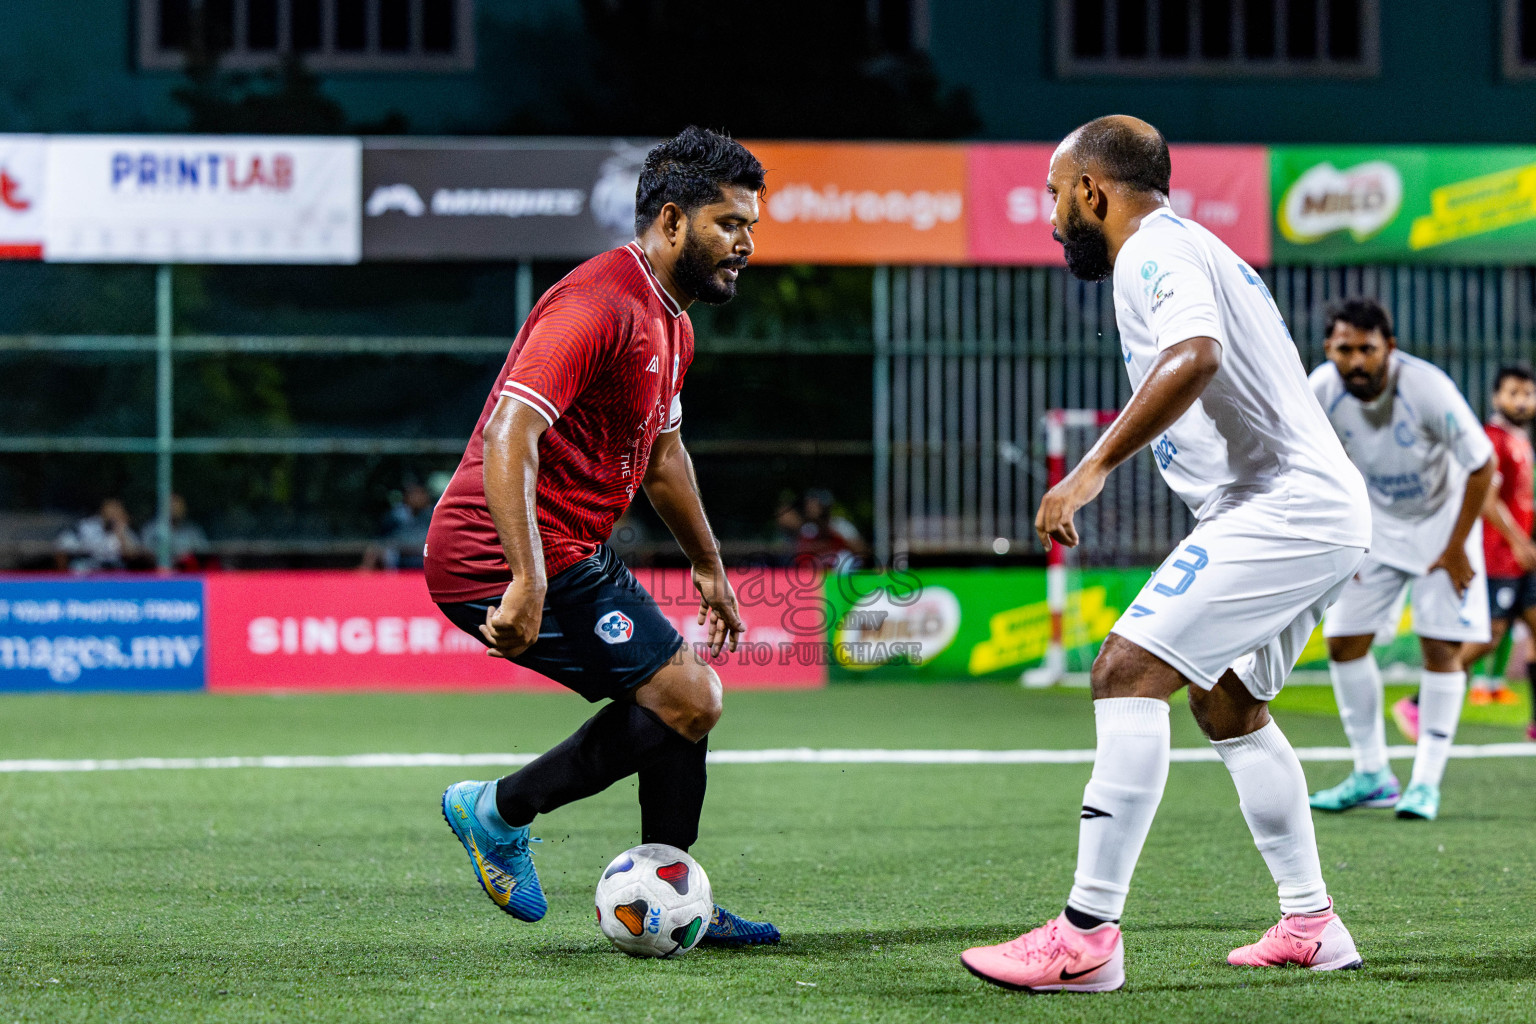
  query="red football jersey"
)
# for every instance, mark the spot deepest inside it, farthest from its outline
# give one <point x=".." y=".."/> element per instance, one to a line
<point x="602" y="357"/>
<point x="1513" y="450"/>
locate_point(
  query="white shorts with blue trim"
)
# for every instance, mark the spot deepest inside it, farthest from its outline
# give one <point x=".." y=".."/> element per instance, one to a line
<point x="1233" y="596"/>
<point x="1372" y="603"/>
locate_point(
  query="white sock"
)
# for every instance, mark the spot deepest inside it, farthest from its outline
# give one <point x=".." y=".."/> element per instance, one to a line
<point x="1272" y="792"/>
<point x="1130" y="769"/>
<point x="1481" y="682"/>
<point x="1440" y="697"/>
<point x="1357" y="688"/>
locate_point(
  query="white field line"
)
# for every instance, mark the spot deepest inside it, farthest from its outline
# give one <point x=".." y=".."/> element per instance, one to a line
<point x="788" y="755"/>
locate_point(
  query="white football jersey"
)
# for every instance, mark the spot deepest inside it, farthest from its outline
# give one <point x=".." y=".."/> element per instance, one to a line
<point x="1255" y="442"/>
<point x="1416" y="444"/>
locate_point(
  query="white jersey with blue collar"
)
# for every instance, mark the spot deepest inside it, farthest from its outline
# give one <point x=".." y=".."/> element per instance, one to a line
<point x="1416" y="443"/>
<point x="1255" y="442"/>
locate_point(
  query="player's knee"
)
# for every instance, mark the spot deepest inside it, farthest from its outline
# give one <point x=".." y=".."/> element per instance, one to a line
<point x="1112" y="674"/>
<point x="1222" y="718"/>
<point x="1123" y="669"/>
<point x="1442" y="655"/>
<point x="702" y="703"/>
<point x="1200" y="707"/>
<point x="1349" y="648"/>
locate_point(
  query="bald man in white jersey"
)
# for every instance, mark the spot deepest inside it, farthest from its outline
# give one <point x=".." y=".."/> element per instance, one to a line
<point x="1221" y="397"/>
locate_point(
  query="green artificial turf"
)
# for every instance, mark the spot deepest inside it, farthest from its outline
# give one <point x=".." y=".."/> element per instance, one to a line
<point x="339" y="895"/>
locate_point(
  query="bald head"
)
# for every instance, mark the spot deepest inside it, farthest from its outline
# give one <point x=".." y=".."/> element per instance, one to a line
<point x="1122" y="149"/>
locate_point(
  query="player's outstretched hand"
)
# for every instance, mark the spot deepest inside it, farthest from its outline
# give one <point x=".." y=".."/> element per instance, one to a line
<point x="717" y="606"/>
<point x="1060" y="504"/>
<point x="1525" y="553"/>
<point x="1456" y="565"/>
<point x="512" y="626"/>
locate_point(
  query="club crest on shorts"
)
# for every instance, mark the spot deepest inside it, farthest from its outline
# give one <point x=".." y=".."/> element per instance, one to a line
<point x="615" y="628"/>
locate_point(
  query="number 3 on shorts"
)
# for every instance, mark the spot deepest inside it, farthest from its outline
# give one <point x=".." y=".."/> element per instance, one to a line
<point x="1189" y="569"/>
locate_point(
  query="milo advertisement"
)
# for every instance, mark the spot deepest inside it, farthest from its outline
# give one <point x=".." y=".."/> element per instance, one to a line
<point x="1420" y="204"/>
<point x="949" y="624"/>
<point x="943" y="625"/>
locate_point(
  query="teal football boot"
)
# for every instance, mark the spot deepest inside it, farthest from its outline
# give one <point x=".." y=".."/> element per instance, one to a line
<point x="503" y="865"/>
<point x="1420" y="800"/>
<point x="1361" y="789"/>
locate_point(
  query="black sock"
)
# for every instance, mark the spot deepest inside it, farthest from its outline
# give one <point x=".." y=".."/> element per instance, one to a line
<point x="672" y="796"/>
<point x="1086" y="922"/>
<point x="613" y="744"/>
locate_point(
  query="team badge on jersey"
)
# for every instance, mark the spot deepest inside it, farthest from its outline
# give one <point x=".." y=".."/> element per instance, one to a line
<point x="615" y="628"/>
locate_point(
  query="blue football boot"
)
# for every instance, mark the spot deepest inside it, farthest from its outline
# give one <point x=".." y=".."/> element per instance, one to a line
<point x="503" y="866"/>
<point x="726" y="929"/>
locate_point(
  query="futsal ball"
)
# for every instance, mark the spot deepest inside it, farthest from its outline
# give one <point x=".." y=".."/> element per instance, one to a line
<point x="654" y="901"/>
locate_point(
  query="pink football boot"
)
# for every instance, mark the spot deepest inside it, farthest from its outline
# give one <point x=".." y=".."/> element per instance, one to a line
<point x="1406" y="714"/>
<point x="1319" y="942"/>
<point x="1055" y="957"/>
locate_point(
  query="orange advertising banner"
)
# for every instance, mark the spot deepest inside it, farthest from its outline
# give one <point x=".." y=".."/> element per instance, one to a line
<point x="862" y="203"/>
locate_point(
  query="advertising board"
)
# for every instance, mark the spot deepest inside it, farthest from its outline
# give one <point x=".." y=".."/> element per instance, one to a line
<point x="380" y="631"/>
<point x="1395" y="204"/>
<point x="202" y="199"/>
<point x="942" y="625"/>
<point x="1224" y="188"/>
<point x="23" y="165"/>
<point x="494" y="200"/>
<point x="101" y="634"/>
<point x="862" y="203"/>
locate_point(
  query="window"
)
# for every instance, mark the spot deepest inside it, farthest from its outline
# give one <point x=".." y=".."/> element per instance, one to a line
<point x="331" y="35"/>
<point x="1220" y="38"/>
<point x="1520" y="38"/>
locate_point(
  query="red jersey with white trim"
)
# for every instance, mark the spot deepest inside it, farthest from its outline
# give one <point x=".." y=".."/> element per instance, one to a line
<point x="602" y="358"/>
<point x="1512" y="447"/>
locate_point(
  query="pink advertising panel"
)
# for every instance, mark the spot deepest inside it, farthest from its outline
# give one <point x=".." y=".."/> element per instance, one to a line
<point x="380" y="631"/>
<point x="1225" y="188"/>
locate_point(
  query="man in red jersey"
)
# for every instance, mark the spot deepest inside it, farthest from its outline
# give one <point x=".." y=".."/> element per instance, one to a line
<point x="586" y="411"/>
<point x="1511" y="511"/>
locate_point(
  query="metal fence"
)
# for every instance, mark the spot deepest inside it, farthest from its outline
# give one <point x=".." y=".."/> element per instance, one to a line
<point x="967" y="360"/>
<point x="143" y="421"/>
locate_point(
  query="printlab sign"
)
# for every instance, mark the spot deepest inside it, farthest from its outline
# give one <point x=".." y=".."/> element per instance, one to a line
<point x="101" y="635"/>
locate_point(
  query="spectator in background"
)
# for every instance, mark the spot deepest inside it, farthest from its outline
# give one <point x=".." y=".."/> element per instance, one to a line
<point x="97" y="543"/>
<point x="189" y="544"/>
<point x="405" y="531"/>
<point x="821" y="538"/>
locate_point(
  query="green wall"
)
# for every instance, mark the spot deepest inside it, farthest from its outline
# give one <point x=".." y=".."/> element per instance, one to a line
<point x="1441" y="81"/>
<point x="71" y="67"/>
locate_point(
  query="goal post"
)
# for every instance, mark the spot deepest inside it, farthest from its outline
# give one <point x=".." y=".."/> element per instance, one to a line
<point x="1056" y="423"/>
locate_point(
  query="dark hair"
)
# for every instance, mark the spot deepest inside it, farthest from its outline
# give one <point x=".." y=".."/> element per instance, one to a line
<point x="1126" y="153"/>
<point x="1517" y="372"/>
<point x="690" y="170"/>
<point x="1366" y="314"/>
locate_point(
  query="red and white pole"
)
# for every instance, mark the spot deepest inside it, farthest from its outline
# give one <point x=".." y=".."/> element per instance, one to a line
<point x="1054" y="667"/>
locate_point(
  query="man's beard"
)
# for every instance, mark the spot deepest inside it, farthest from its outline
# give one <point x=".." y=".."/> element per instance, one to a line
<point x="1368" y="389"/>
<point x="1519" y="421"/>
<point x="696" y="271"/>
<point x="1085" y="246"/>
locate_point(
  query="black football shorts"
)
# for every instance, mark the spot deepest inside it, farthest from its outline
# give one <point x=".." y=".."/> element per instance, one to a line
<point x="602" y="634"/>
<point x="1510" y="596"/>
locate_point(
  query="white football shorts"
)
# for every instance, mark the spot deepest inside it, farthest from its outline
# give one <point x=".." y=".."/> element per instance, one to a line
<point x="1372" y="602"/>
<point x="1235" y="596"/>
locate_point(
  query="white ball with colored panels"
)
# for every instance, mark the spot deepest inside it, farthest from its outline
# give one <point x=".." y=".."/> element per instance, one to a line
<point x="654" y="901"/>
